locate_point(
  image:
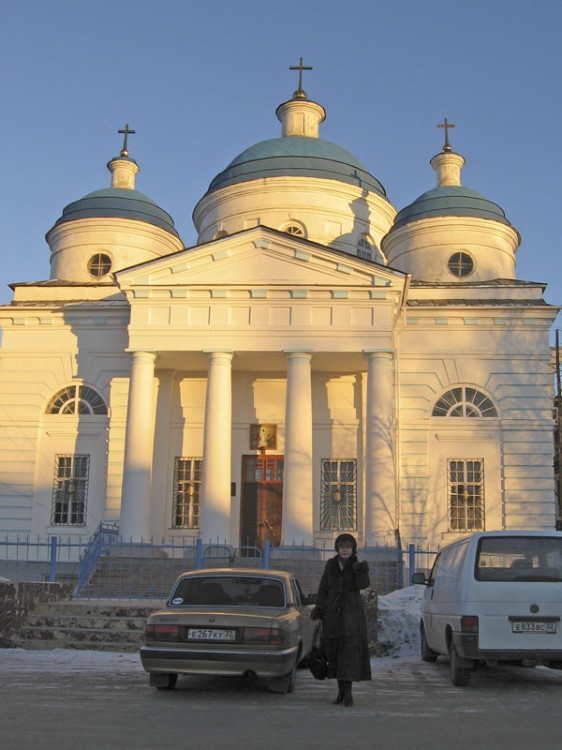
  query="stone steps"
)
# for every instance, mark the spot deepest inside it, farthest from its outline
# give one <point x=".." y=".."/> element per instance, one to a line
<point x="102" y="626"/>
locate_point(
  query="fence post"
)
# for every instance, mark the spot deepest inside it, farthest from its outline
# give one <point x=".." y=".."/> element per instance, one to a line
<point x="53" y="561"/>
<point x="411" y="562"/>
<point x="266" y="548"/>
<point x="198" y="554"/>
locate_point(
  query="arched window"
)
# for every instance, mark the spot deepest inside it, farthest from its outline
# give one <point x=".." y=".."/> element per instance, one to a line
<point x="365" y="248"/>
<point x="294" y="228"/>
<point x="76" y="399"/>
<point x="464" y="402"/>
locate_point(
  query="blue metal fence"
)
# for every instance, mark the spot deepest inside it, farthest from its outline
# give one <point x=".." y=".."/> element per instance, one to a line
<point x="106" y="566"/>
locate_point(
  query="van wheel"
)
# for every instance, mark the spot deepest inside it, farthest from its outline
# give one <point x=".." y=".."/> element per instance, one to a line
<point x="427" y="654"/>
<point x="460" y="675"/>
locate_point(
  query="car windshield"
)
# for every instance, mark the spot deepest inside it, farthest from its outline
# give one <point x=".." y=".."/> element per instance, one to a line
<point x="229" y="590"/>
<point x="519" y="558"/>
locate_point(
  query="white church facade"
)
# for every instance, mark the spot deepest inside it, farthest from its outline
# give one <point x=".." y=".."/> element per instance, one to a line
<point x="318" y="362"/>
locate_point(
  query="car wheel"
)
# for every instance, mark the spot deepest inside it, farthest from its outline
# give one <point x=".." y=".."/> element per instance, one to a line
<point x="163" y="681"/>
<point x="460" y="675"/>
<point x="427" y="654"/>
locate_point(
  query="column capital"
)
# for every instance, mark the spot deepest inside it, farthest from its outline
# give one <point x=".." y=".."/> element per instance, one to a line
<point x="149" y="354"/>
<point x="294" y="353"/>
<point x="387" y="354"/>
<point x="221" y="353"/>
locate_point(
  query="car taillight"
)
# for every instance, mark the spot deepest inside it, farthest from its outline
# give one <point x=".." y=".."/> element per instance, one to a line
<point x="161" y="632"/>
<point x="263" y="636"/>
<point x="469" y="624"/>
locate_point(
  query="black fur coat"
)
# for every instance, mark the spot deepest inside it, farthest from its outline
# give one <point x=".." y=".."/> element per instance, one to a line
<point x="340" y="607"/>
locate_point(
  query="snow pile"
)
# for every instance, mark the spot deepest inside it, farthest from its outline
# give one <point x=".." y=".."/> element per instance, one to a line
<point x="399" y="622"/>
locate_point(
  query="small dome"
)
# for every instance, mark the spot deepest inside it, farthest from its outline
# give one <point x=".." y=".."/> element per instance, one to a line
<point x="299" y="156"/>
<point x="118" y="203"/>
<point x="451" y="200"/>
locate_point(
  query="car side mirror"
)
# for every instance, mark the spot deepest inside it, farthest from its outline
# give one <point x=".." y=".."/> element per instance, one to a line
<point x="420" y="578"/>
<point x="311" y="599"/>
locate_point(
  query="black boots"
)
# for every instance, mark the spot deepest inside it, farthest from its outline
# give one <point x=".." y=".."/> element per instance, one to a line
<point x="344" y="694"/>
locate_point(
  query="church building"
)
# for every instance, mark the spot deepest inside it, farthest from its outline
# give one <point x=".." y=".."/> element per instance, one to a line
<point x="318" y="362"/>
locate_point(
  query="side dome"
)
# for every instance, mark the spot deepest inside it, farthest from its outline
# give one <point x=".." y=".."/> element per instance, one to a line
<point x="110" y="229"/>
<point x="118" y="203"/>
<point x="450" y="200"/>
<point x="300" y="184"/>
<point x="452" y="233"/>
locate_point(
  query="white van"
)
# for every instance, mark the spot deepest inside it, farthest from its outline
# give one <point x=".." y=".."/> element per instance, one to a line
<point x="494" y="597"/>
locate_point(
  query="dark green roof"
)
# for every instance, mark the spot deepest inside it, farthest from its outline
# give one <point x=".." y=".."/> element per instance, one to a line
<point x="298" y="156"/>
<point x="118" y="203"/>
<point x="450" y="201"/>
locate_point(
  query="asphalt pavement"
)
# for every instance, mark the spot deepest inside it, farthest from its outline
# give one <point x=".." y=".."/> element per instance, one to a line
<point x="94" y="701"/>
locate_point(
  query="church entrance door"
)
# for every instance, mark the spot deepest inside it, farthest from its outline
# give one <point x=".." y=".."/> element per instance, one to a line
<point x="262" y="500"/>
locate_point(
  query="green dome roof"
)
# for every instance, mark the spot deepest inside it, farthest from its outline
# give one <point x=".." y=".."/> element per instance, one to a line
<point x="299" y="156"/>
<point x="118" y="203"/>
<point x="452" y="200"/>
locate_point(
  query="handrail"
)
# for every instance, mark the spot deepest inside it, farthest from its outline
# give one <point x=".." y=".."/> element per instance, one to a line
<point x="101" y="540"/>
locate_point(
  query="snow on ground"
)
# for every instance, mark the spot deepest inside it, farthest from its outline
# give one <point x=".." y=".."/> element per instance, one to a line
<point x="399" y="623"/>
<point x="399" y="615"/>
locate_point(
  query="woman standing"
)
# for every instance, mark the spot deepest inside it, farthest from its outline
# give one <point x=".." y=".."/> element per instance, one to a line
<point x="344" y="625"/>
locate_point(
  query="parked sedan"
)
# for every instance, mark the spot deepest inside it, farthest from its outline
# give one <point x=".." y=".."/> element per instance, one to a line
<point x="230" y="622"/>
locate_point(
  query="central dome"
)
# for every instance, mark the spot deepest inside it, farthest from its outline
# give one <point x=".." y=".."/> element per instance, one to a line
<point x="300" y="184"/>
<point x="300" y="156"/>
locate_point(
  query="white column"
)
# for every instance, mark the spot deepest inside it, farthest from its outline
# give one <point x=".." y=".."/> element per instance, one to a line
<point x="139" y="442"/>
<point x="297" y="476"/>
<point x="160" y="518"/>
<point x="380" y="452"/>
<point x="217" y="442"/>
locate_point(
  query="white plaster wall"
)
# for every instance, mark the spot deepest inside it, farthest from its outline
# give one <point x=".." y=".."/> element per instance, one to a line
<point x="334" y="214"/>
<point x="125" y="241"/>
<point x="423" y="248"/>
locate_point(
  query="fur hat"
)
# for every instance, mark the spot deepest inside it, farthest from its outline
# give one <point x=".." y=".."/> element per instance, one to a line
<point x="346" y="539"/>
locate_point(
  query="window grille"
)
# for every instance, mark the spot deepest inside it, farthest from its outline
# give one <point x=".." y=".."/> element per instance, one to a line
<point x="466" y="494"/>
<point x="99" y="265"/>
<point x="464" y="402"/>
<point x="70" y="490"/>
<point x="77" y="399"/>
<point x="338" y="503"/>
<point x="460" y="264"/>
<point x="187" y="493"/>
<point x="295" y="229"/>
<point x="364" y="249"/>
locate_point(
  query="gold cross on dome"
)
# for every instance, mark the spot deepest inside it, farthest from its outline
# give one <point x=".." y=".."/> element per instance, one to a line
<point x="127" y="133"/>
<point x="447" y="126"/>
<point x="300" y="67"/>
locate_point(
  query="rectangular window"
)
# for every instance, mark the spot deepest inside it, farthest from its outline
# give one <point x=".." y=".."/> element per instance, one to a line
<point x="338" y="502"/>
<point x="70" y="490"/>
<point x="187" y="493"/>
<point x="466" y="494"/>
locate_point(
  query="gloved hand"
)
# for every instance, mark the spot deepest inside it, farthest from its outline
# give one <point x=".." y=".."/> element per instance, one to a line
<point x="316" y="614"/>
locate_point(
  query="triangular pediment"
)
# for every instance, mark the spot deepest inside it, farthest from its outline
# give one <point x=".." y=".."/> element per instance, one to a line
<point x="259" y="257"/>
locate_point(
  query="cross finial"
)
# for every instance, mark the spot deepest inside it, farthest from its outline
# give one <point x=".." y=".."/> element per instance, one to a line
<point x="447" y="126"/>
<point x="299" y="93"/>
<point x="127" y="133"/>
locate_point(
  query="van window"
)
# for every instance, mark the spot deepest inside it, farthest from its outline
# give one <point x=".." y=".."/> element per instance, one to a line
<point x="519" y="558"/>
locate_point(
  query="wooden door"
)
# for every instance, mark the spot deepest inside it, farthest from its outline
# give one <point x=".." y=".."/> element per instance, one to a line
<point x="262" y="500"/>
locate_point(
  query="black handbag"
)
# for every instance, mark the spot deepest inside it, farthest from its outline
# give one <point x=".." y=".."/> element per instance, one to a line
<point x="317" y="660"/>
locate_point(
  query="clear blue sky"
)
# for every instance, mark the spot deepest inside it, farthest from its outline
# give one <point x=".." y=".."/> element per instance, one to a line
<point x="199" y="81"/>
